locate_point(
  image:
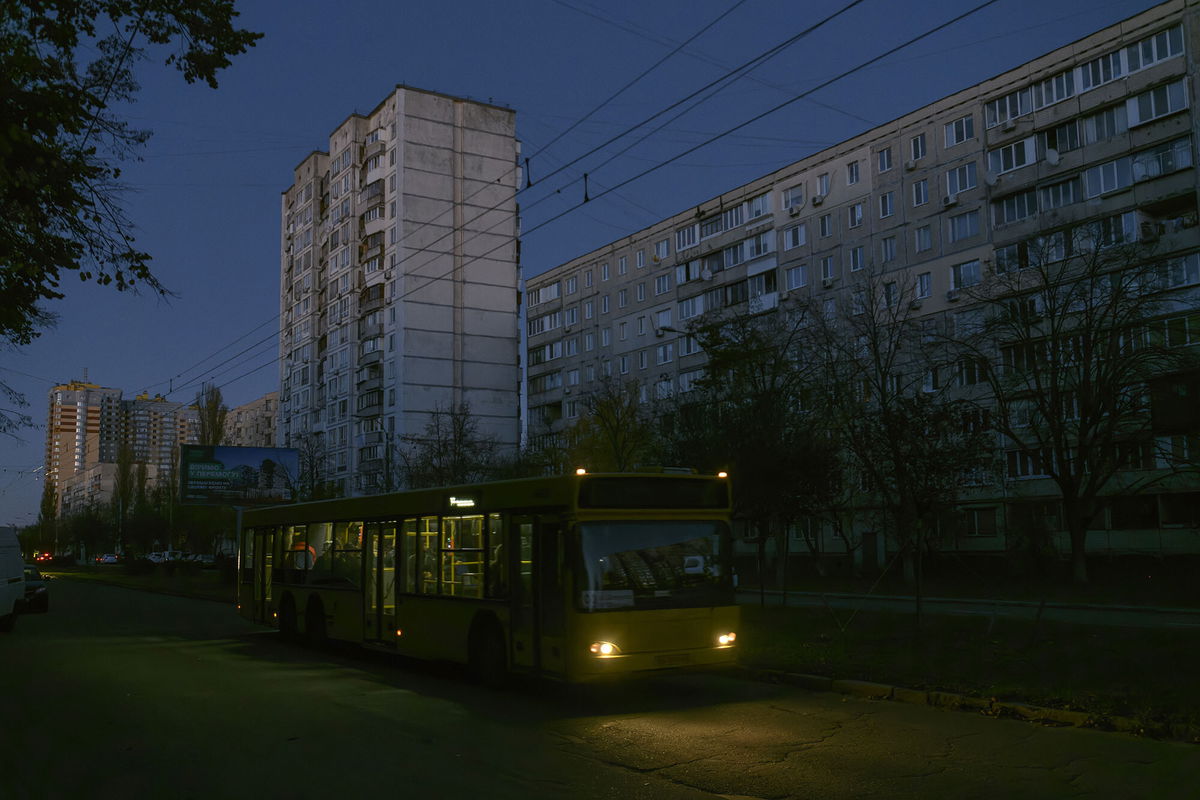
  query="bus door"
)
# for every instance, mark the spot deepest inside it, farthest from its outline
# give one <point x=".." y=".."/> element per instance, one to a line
<point x="538" y="630"/>
<point x="380" y="584"/>
<point x="264" y="550"/>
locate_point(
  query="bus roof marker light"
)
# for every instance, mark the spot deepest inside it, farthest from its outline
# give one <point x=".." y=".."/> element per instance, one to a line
<point x="580" y="471"/>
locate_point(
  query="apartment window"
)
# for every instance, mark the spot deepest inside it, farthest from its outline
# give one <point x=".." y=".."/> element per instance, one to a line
<point x="854" y="215"/>
<point x="966" y="274"/>
<point x="917" y="147"/>
<point x="710" y="227"/>
<point x="686" y="237"/>
<point x="852" y="173"/>
<point x="662" y="318"/>
<point x="1013" y="156"/>
<point x="1060" y="194"/>
<point x="1100" y="71"/>
<point x="1053" y="89"/>
<point x="828" y="270"/>
<point x="640" y="259"/>
<point x="1021" y="205"/>
<point x="622" y="265"/>
<point x="924" y="285"/>
<point x="826" y="224"/>
<point x="662" y="249"/>
<point x="641" y="291"/>
<point x="1158" y="102"/>
<point x="885" y="159"/>
<point x="793" y="197"/>
<point x="1155" y="48"/>
<point x="888" y="248"/>
<point x="572" y="284"/>
<point x="960" y="178"/>
<point x="964" y="226"/>
<point x="604" y="304"/>
<point x="665" y="353"/>
<point x="604" y="272"/>
<point x="1105" y="124"/>
<point x="795" y="236"/>
<point x="623" y="365"/>
<point x="587" y="278"/>
<point x="662" y="284"/>
<point x="1108" y="177"/>
<point x="759" y="206"/>
<point x="923" y="239"/>
<point x="692" y="307"/>
<point x="797" y="276"/>
<point x="823" y="184"/>
<point x="588" y="309"/>
<point x="734" y="217"/>
<point x="1008" y="107"/>
<point x="856" y="258"/>
<point x="886" y="206"/>
<point x="643" y="361"/>
<point x="921" y="192"/>
<point x="1162" y="159"/>
<point x="572" y="347"/>
<point x="1061" y="138"/>
<point x="605" y="337"/>
<point x="960" y="130"/>
<point x="641" y="325"/>
<point x="571" y="315"/>
<point x="622" y="298"/>
<point x="589" y="342"/>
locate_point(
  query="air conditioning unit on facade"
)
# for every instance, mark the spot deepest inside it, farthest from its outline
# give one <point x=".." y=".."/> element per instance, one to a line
<point x="1009" y="124"/>
<point x="952" y="295"/>
<point x="818" y="199"/>
<point x="949" y="200"/>
<point x="910" y="165"/>
<point x="794" y="211"/>
<point x="827" y="282"/>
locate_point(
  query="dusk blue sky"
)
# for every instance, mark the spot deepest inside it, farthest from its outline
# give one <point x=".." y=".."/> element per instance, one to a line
<point x="205" y="197"/>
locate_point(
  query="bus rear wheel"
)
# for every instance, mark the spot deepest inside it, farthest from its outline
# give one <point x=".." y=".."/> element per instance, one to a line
<point x="488" y="655"/>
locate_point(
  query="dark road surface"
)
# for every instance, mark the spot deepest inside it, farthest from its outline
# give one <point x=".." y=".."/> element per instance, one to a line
<point x="123" y="694"/>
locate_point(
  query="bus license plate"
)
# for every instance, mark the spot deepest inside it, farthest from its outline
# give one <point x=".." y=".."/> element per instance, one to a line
<point x="673" y="659"/>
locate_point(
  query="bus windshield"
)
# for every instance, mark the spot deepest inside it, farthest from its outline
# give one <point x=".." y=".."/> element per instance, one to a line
<point x="653" y="564"/>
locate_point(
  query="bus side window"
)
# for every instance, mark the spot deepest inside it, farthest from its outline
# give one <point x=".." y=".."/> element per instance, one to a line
<point x="550" y="580"/>
<point x="497" y="557"/>
<point x="409" y="582"/>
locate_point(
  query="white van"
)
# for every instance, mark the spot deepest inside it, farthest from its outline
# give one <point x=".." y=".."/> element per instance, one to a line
<point x="12" y="578"/>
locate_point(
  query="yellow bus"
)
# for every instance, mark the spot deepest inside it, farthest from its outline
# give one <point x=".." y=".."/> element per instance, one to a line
<point x="575" y="577"/>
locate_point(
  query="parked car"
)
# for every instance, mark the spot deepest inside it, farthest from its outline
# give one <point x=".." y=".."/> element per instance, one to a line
<point x="163" y="556"/>
<point x="37" y="593"/>
<point x="108" y="558"/>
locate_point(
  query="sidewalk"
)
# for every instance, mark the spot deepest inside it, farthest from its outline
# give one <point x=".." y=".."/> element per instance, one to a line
<point x="1078" y="613"/>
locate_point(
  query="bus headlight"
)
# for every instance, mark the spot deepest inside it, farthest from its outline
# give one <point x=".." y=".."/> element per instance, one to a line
<point x="604" y="649"/>
<point x="726" y="639"/>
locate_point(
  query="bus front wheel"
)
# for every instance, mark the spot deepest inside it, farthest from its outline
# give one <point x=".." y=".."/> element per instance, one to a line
<point x="487" y="653"/>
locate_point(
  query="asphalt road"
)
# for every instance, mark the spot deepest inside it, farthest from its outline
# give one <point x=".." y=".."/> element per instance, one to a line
<point x="1077" y="613"/>
<point x="118" y="693"/>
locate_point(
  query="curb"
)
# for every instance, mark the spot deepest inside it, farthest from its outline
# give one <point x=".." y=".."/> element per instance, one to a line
<point x="990" y="707"/>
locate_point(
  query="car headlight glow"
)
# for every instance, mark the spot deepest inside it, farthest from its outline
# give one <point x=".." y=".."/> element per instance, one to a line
<point x="604" y="649"/>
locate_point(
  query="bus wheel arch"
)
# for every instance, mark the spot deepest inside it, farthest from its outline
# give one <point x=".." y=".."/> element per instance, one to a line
<point x="314" y="621"/>
<point x="487" y="652"/>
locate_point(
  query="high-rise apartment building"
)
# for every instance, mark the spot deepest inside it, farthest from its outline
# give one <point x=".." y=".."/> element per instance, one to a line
<point x="1097" y="135"/>
<point x="88" y="426"/>
<point x="253" y="424"/>
<point x="399" y="283"/>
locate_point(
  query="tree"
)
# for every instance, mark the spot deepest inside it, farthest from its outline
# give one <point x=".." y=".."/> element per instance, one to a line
<point x="313" y="482"/>
<point x="61" y="143"/>
<point x="887" y="388"/>
<point x="213" y="413"/>
<point x="1071" y="332"/>
<point x="450" y="450"/>
<point x="615" y="432"/>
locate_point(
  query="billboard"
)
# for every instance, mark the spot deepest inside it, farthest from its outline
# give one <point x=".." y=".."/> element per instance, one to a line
<point x="236" y="476"/>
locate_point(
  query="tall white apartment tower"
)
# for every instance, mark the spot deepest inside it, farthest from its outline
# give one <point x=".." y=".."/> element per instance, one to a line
<point x="399" y="284"/>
